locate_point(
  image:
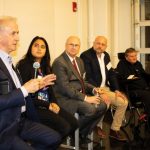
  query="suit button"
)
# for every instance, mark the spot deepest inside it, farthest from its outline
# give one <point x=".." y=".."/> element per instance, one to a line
<point x="18" y="119"/>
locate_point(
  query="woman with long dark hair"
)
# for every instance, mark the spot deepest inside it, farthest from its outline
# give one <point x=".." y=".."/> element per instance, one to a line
<point x="48" y="110"/>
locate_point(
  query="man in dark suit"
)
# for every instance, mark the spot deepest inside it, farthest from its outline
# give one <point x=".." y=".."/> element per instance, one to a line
<point x="72" y="90"/>
<point x="16" y="109"/>
<point x="100" y="73"/>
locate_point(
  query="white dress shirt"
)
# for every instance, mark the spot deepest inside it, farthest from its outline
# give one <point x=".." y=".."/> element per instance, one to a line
<point x="102" y="68"/>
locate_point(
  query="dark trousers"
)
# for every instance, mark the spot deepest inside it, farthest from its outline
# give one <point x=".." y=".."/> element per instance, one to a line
<point x="90" y="116"/>
<point x="141" y="95"/>
<point x="35" y="136"/>
<point x="63" y="122"/>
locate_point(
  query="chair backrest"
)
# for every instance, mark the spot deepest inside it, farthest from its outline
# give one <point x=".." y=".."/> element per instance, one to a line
<point x="121" y="56"/>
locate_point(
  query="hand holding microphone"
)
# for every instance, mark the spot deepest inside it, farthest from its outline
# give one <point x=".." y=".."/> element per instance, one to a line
<point x="39" y="82"/>
<point x="36" y="66"/>
<point x="35" y="84"/>
<point x="43" y="81"/>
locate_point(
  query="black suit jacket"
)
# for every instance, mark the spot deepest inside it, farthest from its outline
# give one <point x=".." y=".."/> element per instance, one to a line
<point x="93" y="72"/>
<point x="27" y="71"/>
<point x="10" y="107"/>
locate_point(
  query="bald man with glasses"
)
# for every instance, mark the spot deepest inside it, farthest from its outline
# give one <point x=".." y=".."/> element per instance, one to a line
<point x="75" y="94"/>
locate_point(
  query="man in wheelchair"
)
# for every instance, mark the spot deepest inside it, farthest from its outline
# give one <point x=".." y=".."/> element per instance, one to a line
<point x="130" y="71"/>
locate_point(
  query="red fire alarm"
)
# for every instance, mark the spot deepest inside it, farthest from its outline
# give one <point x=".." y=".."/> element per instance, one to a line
<point x="74" y="6"/>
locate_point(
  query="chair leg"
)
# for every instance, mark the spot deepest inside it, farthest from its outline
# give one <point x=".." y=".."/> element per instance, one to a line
<point x="76" y="134"/>
<point x="68" y="140"/>
<point x="90" y="145"/>
<point x="90" y="136"/>
<point x="77" y="139"/>
<point x="76" y="146"/>
<point x="68" y="143"/>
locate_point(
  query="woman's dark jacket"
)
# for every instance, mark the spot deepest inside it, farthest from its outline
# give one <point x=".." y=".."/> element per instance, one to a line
<point x="26" y="70"/>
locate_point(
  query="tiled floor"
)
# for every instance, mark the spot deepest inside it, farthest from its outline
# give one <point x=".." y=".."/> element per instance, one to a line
<point x="133" y="143"/>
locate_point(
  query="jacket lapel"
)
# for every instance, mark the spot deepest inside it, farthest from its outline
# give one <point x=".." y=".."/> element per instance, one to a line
<point x="97" y="65"/>
<point x="5" y="70"/>
<point x="18" y="75"/>
<point x="71" y="65"/>
<point x="80" y="66"/>
<point x="95" y="59"/>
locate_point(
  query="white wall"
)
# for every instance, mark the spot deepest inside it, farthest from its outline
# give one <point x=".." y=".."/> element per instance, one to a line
<point x="99" y="19"/>
<point x="55" y="20"/>
<point x="67" y="22"/>
<point x="34" y="18"/>
<point x="124" y="30"/>
<point x="124" y="27"/>
<point x="112" y="18"/>
<point x="52" y="19"/>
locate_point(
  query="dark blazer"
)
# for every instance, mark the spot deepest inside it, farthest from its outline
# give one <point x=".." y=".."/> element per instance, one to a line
<point x="28" y="74"/>
<point x="93" y="72"/>
<point x="10" y="107"/>
<point x="68" y="85"/>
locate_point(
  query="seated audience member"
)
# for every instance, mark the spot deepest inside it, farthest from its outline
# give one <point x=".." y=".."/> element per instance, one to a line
<point x="131" y="70"/>
<point x="100" y="73"/>
<point x="72" y="90"/>
<point x="49" y="112"/>
<point x="17" y="113"/>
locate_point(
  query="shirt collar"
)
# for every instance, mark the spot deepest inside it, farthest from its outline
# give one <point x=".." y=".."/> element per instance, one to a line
<point x="101" y="56"/>
<point x="5" y="57"/>
<point x="71" y="59"/>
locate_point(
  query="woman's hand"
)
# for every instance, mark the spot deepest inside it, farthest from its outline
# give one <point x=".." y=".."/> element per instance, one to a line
<point x="54" y="108"/>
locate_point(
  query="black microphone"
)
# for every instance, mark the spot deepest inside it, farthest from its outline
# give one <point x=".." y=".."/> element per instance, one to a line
<point x="36" y="66"/>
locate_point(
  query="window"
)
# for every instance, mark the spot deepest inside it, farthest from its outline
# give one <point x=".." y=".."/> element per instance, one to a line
<point x="142" y="30"/>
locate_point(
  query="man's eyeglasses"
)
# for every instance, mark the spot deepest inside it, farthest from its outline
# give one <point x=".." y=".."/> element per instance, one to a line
<point x="74" y="45"/>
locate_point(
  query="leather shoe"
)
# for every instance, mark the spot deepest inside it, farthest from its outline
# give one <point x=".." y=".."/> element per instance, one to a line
<point x="101" y="133"/>
<point x="117" y="135"/>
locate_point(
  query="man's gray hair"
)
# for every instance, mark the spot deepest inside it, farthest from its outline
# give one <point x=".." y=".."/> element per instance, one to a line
<point x="4" y="20"/>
